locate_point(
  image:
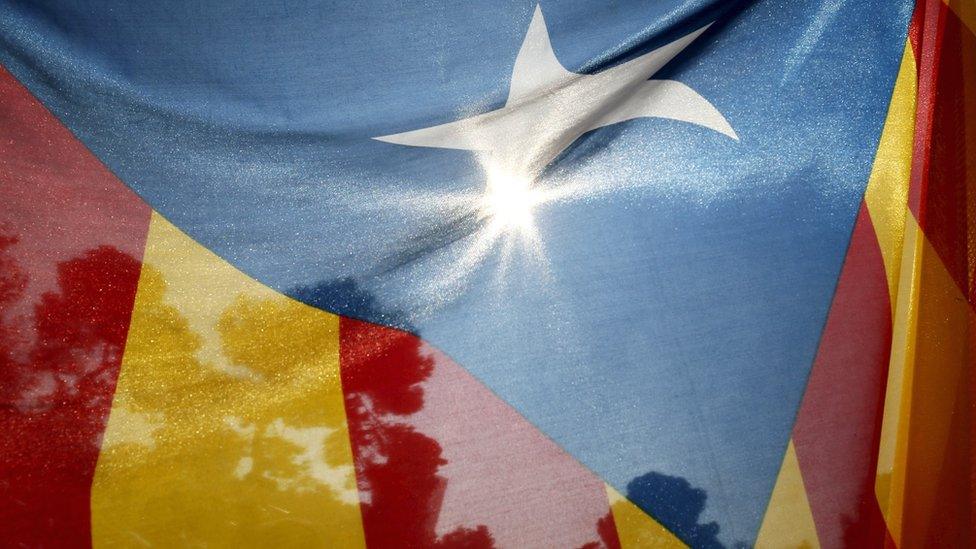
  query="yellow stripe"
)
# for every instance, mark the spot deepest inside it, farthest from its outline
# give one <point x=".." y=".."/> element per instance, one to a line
<point x="789" y="520"/>
<point x="889" y="487"/>
<point x="886" y="198"/>
<point x="929" y="340"/>
<point x="228" y="427"/>
<point x="887" y="191"/>
<point x="928" y="355"/>
<point x="887" y="201"/>
<point x="636" y="529"/>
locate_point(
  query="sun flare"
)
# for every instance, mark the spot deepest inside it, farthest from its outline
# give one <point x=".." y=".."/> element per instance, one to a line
<point x="509" y="201"/>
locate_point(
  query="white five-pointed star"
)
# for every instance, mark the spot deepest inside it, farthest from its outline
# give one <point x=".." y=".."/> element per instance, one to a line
<point x="549" y="107"/>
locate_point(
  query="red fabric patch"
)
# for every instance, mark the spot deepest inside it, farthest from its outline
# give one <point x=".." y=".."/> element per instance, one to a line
<point x="838" y="429"/>
<point x="443" y="462"/>
<point x="71" y="242"/>
<point x="943" y="187"/>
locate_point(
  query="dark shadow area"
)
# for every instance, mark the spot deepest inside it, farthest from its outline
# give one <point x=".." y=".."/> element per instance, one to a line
<point x="606" y="528"/>
<point x="722" y="13"/>
<point x="397" y="467"/>
<point x="678" y="506"/>
<point x="59" y="359"/>
<point x="13" y="281"/>
<point x="346" y="298"/>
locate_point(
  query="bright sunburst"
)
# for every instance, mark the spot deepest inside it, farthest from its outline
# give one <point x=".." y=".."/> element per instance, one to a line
<point x="509" y="201"/>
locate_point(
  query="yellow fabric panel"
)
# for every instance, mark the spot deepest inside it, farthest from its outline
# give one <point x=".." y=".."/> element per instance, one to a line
<point x="635" y="528"/>
<point x="929" y="357"/>
<point x="228" y="426"/>
<point x="887" y="201"/>
<point x="887" y="191"/>
<point x="897" y="407"/>
<point x="788" y="521"/>
<point x="939" y="383"/>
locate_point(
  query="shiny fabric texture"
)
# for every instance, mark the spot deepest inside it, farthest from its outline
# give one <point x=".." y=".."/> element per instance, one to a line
<point x="500" y="274"/>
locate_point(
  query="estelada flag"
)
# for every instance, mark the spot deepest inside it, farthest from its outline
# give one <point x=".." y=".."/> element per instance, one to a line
<point x="577" y="274"/>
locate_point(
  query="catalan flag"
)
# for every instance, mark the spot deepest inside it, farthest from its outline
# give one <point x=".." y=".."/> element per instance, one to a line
<point x="502" y="274"/>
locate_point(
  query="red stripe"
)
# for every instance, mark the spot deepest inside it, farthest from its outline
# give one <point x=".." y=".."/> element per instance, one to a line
<point x="927" y="49"/>
<point x="942" y="198"/>
<point x="442" y="462"/>
<point x="71" y="239"/>
<point x="943" y="186"/>
<point x="838" y="428"/>
<point x="915" y="29"/>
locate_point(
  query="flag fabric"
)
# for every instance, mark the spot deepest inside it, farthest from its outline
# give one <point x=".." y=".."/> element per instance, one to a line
<point x="574" y="274"/>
